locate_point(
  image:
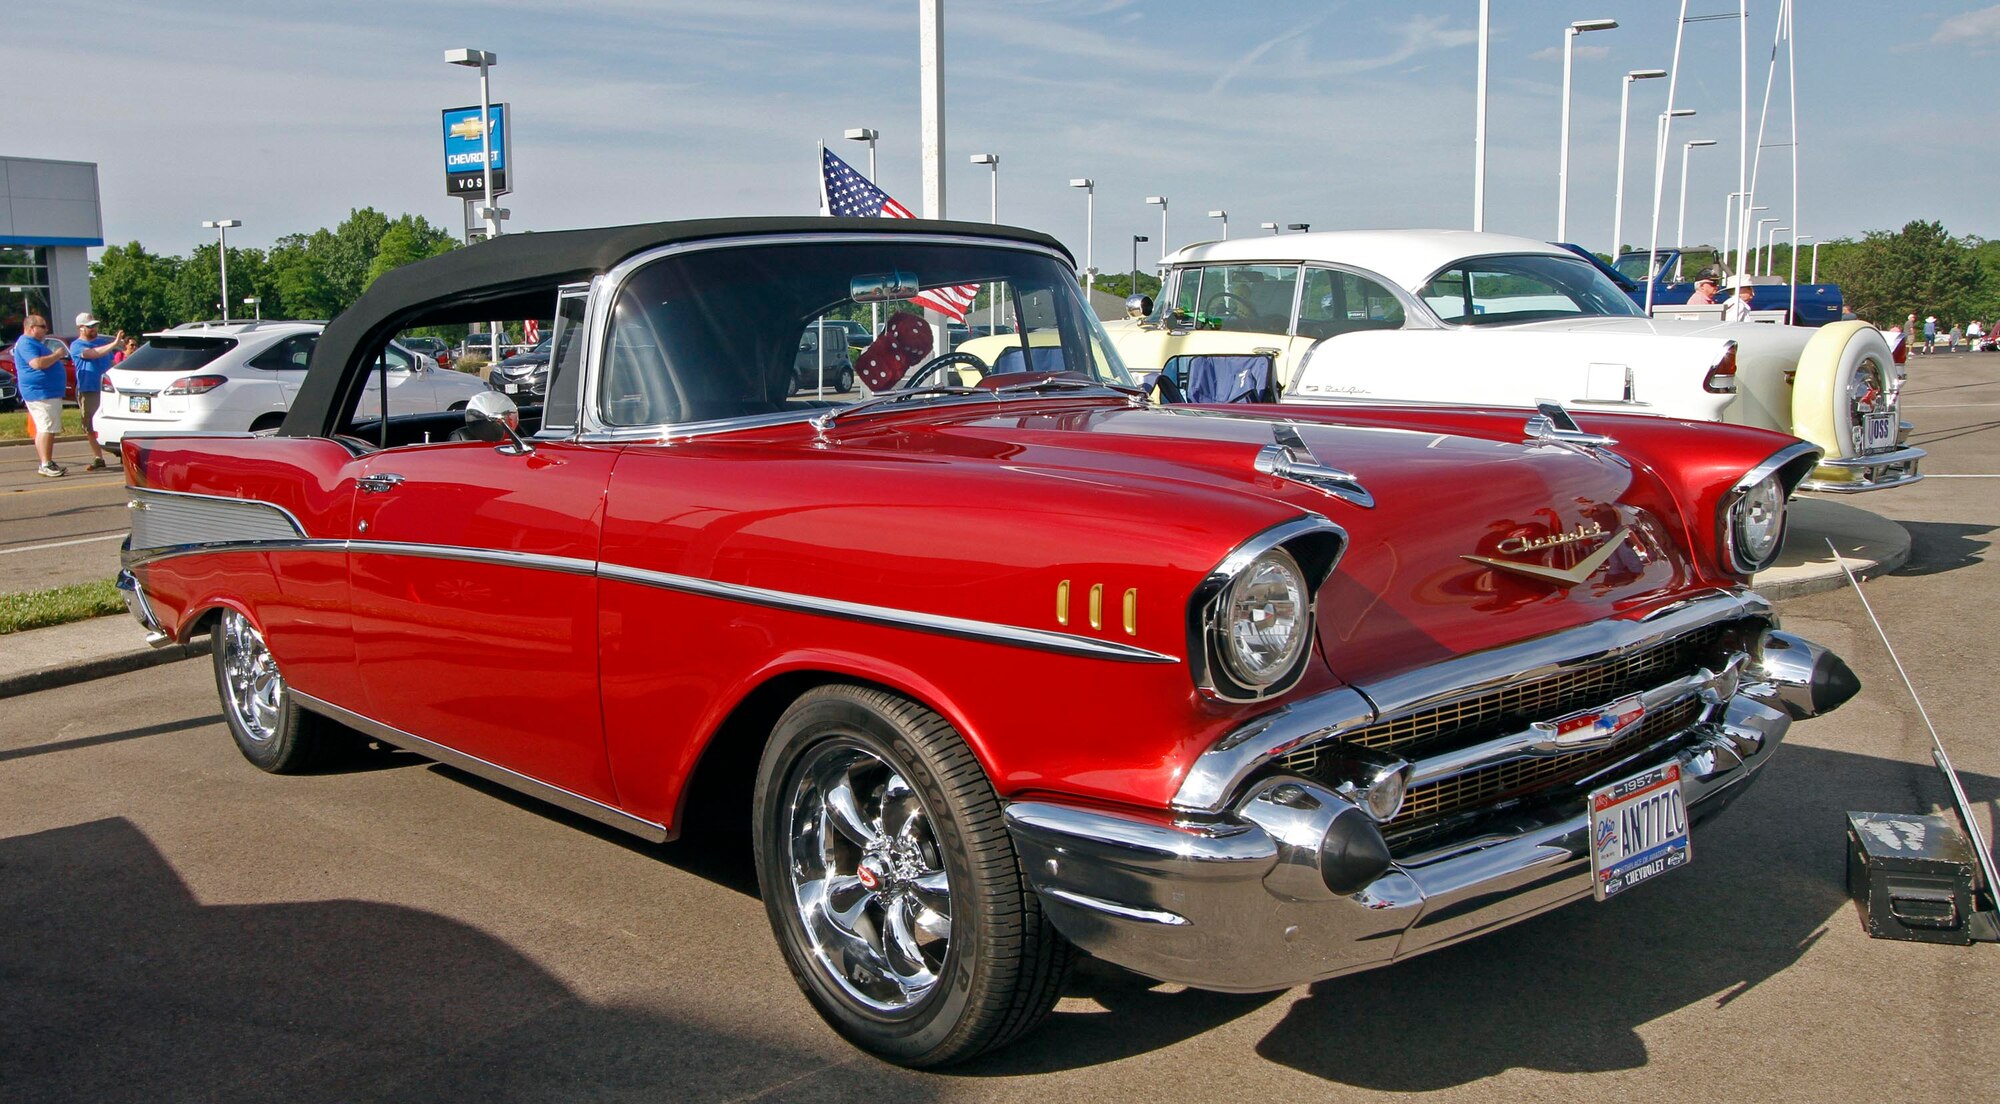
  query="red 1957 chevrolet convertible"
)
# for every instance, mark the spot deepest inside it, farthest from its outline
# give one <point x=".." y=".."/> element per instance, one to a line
<point x="1001" y="660"/>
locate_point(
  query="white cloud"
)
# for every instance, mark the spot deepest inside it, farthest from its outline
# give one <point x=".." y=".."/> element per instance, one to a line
<point x="1979" y="28"/>
<point x="1587" y="53"/>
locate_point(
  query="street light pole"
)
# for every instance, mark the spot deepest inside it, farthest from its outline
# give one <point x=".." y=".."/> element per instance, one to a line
<point x="992" y="162"/>
<point x="1562" y="166"/>
<point x="1757" y="245"/>
<point x="1659" y="186"/>
<point x="257" y="304"/>
<point x="1162" y="201"/>
<point x="1134" y="286"/>
<point x="1479" y="121"/>
<point x="868" y="135"/>
<point x="1624" y="113"/>
<point x="1298" y="227"/>
<point x="1089" y="187"/>
<point x="1271" y="226"/>
<point x="1815" y="271"/>
<point x="222" y="228"/>
<point x="1771" y="245"/>
<point x="1728" y="226"/>
<point x="1224" y="216"/>
<point x="483" y="60"/>
<point x="1681" y="227"/>
<point x="1741" y="249"/>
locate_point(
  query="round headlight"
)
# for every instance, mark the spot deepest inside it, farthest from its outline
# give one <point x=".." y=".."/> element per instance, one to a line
<point x="1266" y="619"/>
<point x="1757" y="523"/>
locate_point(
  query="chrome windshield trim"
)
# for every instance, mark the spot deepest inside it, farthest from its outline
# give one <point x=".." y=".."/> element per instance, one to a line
<point x="962" y="628"/>
<point x="492" y="772"/>
<point x="1213" y="779"/>
<point x="592" y="427"/>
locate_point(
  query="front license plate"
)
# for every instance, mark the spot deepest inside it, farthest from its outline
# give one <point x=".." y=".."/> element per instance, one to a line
<point x="510" y="388"/>
<point x="1638" y="830"/>
<point x="1880" y="431"/>
<point x="139" y="404"/>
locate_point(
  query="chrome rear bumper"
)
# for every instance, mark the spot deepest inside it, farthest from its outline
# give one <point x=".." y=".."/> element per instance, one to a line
<point x="1240" y="902"/>
<point x="1872" y="471"/>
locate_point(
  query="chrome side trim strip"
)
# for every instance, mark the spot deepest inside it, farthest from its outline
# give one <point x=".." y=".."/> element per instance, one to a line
<point x="882" y="615"/>
<point x="1128" y="912"/>
<point x="166" y="519"/>
<point x="990" y="632"/>
<point x="472" y="764"/>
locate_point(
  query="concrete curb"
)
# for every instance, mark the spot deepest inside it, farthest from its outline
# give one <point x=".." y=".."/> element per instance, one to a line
<point x="48" y="678"/>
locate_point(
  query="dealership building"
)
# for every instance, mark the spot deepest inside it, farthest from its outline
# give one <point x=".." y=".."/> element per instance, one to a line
<point x="49" y="217"/>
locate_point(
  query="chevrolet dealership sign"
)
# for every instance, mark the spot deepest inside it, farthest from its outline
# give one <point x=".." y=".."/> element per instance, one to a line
<point x="465" y="151"/>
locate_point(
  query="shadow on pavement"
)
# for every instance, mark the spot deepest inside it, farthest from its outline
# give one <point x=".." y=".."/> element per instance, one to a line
<point x="1936" y="436"/>
<point x="160" y="729"/>
<point x="116" y="984"/>
<point x="1567" y="992"/>
<point x="1938" y="546"/>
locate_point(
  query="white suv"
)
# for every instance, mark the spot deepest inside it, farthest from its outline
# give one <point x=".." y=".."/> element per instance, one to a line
<point x="242" y="376"/>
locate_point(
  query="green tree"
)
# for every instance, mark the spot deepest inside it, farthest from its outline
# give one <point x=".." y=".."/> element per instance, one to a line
<point x="196" y="290"/>
<point x="1920" y="269"/>
<point x="409" y="238"/>
<point x="130" y="289"/>
<point x="300" y="279"/>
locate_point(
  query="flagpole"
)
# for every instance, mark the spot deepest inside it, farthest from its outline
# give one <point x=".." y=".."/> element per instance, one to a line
<point x="931" y="74"/>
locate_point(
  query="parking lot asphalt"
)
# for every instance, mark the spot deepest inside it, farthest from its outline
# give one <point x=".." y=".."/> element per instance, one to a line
<point x="178" y="926"/>
<point x="58" y="531"/>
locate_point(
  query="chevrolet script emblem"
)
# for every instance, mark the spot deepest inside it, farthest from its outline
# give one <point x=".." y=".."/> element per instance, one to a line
<point x="1583" y="569"/>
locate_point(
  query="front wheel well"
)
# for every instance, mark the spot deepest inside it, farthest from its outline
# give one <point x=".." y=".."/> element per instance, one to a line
<point x="720" y="790"/>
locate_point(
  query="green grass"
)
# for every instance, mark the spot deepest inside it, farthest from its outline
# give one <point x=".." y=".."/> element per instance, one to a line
<point x="14" y="424"/>
<point x="38" y="609"/>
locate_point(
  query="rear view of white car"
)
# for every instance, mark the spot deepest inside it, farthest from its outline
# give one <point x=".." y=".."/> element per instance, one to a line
<point x="242" y="377"/>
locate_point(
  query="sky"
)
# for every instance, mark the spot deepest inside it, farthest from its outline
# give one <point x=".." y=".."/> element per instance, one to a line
<point x="1342" y="115"/>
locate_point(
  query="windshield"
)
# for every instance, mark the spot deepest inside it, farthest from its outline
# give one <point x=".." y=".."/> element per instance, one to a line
<point x="1633" y="267"/>
<point x="1496" y="291"/>
<point x="733" y="332"/>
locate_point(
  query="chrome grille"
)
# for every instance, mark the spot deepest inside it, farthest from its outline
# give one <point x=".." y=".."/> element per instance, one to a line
<point x="1497" y="783"/>
<point x="1510" y="709"/>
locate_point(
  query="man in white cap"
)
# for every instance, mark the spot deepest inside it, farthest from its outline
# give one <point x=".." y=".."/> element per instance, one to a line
<point x="92" y="353"/>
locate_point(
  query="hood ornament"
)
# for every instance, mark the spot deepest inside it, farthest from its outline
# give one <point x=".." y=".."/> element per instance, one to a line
<point x="1552" y="425"/>
<point x="1291" y="458"/>
<point x="1577" y="573"/>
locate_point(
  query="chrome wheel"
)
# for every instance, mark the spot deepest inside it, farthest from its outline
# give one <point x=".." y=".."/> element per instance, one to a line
<point x="1867" y="392"/>
<point x="867" y="878"/>
<point x="252" y="688"/>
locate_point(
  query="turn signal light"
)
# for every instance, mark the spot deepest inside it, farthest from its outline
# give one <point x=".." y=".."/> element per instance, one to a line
<point x="1722" y="378"/>
<point x="195" y="385"/>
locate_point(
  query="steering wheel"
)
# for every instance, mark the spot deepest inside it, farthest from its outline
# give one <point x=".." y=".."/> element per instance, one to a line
<point x="938" y="365"/>
<point x="1235" y="307"/>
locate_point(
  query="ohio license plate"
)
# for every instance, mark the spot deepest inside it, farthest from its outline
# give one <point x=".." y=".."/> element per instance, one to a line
<point x="139" y="404"/>
<point x="1880" y="431"/>
<point x="1638" y="830"/>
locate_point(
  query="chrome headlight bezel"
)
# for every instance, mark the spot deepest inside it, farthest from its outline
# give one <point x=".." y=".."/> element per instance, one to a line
<point x="1760" y="499"/>
<point x="1307" y="550"/>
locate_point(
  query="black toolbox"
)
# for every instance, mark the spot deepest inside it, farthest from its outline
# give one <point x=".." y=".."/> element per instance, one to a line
<point x="1911" y="877"/>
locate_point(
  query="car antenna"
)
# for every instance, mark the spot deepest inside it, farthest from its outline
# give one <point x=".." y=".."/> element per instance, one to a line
<point x="1938" y="754"/>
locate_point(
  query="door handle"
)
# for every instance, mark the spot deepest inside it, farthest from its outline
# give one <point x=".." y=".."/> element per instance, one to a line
<point x="381" y="483"/>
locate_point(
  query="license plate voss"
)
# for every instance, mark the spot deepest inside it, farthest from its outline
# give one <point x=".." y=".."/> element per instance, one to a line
<point x="1638" y="830"/>
<point x="1880" y="431"/>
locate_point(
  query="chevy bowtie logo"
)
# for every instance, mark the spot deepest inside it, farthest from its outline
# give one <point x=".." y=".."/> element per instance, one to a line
<point x="1583" y="569"/>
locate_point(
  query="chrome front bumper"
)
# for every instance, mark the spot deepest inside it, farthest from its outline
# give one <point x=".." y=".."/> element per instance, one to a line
<point x="1240" y="902"/>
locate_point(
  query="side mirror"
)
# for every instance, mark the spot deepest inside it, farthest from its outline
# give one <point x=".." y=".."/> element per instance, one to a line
<point x="1139" y="306"/>
<point x="490" y="412"/>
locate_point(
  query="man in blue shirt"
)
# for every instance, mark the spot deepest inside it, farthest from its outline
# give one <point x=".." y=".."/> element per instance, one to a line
<point x="38" y="366"/>
<point x="92" y="353"/>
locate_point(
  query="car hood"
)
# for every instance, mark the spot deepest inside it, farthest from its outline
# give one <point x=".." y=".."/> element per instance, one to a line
<point x="1407" y="592"/>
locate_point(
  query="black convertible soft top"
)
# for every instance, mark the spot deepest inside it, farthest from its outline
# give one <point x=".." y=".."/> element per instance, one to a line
<point x="516" y="276"/>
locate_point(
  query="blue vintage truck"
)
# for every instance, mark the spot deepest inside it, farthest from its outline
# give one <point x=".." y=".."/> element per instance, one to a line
<point x="1818" y="304"/>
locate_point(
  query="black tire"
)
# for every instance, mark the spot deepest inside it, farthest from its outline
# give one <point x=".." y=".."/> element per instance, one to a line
<point x="846" y="381"/>
<point x="1001" y="966"/>
<point x="267" y="724"/>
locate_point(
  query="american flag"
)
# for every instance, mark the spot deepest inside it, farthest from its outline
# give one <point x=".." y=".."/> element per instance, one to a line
<point x="847" y="194"/>
<point x="531" y="331"/>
